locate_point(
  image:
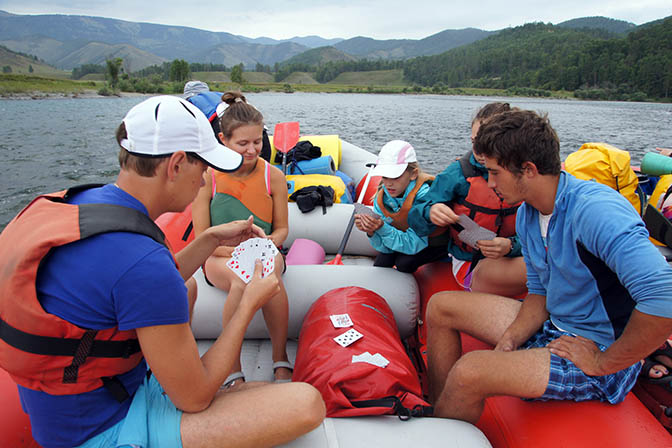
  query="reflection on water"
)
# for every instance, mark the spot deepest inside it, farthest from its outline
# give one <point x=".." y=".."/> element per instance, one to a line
<point x="47" y="145"/>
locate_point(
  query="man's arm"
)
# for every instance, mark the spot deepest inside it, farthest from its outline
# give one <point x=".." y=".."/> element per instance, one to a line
<point x="229" y="234"/>
<point x="530" y="318"/>
<point x="641" y="336"/>
<point x="446" y="187"/>
<point x="171" y="352"/>
<point x="623" y="244"/>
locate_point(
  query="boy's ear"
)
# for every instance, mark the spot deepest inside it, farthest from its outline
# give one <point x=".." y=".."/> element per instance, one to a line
<point x="529" y="168"/>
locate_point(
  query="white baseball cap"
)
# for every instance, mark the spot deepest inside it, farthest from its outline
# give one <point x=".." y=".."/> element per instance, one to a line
<point x="163" y="125"/>
<point x="393" y="159"/>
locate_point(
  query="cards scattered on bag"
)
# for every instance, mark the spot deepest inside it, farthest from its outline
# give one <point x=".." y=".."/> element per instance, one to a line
<point x="348" y="337"/>
<point x="341" y="320"/>
<point x="376" y="360"/>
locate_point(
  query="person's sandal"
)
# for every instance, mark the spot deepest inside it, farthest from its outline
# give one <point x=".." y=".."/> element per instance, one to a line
<point x="283" y="364"/>
<point x="232" y="380"/>
<point x="664" y="350"/>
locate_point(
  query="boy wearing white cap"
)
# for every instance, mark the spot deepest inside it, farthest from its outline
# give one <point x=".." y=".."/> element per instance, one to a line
<point x="402" y="183"/>
<point x="115" y="301"/>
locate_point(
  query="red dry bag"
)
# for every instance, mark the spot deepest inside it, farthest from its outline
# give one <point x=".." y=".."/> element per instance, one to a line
<point x="358" y="388"/>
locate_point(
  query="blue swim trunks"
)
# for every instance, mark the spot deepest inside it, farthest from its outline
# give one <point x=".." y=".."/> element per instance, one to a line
<point x="568" y="382"/>
<point x="152" y="421"/>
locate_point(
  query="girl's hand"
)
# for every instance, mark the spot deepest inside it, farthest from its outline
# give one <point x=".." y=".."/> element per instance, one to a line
<point x="367" y="223"/>
<point x="495" y="248"/>
<point x="441" y="215"/>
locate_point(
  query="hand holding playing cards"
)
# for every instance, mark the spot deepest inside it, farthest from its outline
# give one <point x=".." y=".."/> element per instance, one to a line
<point x="496" y="247"/>
<point x="259" y="290"/>
<point x="441" y="215"/>
<point x="368" y="223"/>
<point x="234" y="232"/>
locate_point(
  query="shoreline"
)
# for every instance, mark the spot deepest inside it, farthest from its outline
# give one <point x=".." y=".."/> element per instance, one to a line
<point x="86" y="94"/>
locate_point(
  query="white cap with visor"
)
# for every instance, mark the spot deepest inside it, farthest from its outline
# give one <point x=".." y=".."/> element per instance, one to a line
<point x="163" y="125"/>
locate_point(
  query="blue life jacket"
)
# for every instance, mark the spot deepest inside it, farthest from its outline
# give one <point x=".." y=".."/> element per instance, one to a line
<point x="207" y="102"/>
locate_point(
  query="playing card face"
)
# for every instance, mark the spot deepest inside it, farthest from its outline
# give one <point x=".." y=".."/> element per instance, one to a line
<point x="348" y="337"/>
<point x="341" y="320"/>
<point x="472" y="232"/>
<point x="244" y="255"/>
<point x="361" y="209"/>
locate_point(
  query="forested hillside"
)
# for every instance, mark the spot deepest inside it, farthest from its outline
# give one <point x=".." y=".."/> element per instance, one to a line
<point x="605" y="23"/>
<point x="541" y="56"/>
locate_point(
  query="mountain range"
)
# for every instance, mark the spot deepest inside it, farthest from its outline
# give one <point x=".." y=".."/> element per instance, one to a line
<point x="69" y="41"/>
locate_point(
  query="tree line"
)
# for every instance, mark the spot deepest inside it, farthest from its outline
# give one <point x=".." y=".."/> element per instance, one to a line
<point x="548" y="57"/>
<point x="535" y="57"/>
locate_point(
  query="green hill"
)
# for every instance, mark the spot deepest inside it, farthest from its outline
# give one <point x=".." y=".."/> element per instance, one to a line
<point x="541" y="56"/>
<point x="601" y="23"/>
<point x="371" y="78"/>
<point x="319" y="56"/>
<point x="24" y="63"/>
<point x="300" y="78"/>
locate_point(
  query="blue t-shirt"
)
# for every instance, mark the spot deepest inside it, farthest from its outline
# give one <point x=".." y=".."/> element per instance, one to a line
<point x="113" y="279"/>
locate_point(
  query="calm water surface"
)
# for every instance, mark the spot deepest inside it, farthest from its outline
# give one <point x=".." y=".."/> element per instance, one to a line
<point x="47" y="145"/>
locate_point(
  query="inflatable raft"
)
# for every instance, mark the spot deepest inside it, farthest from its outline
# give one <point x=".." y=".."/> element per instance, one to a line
<point x="506" y="421"/>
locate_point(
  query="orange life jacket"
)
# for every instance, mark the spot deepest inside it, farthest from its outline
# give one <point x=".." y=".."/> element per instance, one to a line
<point x="41" y="351"/>
<point x="400" y="217"/>
<point x="483" y="206"/>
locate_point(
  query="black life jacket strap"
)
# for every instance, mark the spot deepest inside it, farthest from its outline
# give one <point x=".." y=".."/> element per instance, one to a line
<point x="114" y="385"/>
<point x="82" y="352"/>
<point x="490" y="211"/>
<point x="394" y="403"/>
<point x="53" y="346"/>
<point x="468" y="170"/>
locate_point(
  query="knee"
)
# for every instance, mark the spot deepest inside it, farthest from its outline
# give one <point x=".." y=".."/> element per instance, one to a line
<point x="309" y="403"/>
<point x="441" y="307"/>
<point x="466" y="374"/>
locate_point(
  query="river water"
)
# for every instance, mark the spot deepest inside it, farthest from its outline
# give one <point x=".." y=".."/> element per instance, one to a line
<point x="49" y="144"/>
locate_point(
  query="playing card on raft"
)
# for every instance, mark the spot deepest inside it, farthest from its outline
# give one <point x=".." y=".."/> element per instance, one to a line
<point x="348" y="337"/>
<point x="341" y="320"/>
<point x="472" y="232"/>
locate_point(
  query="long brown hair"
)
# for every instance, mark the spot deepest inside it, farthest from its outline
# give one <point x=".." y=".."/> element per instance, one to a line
<point x="239" y="113"/>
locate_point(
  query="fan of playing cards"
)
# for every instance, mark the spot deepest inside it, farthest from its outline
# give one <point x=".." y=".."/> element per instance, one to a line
<point x="244" y="255"/>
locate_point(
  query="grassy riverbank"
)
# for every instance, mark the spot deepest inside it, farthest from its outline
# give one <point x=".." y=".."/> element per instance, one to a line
<point x="12" y="85"/>
<point x="390" y="82"/>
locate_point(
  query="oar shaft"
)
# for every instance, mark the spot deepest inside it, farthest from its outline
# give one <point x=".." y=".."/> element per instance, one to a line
<point x="346" y="236"/>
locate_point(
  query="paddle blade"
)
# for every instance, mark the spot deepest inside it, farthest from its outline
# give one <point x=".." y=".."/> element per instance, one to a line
<point x="337" y="260"/>
<point x="286" y="135"/>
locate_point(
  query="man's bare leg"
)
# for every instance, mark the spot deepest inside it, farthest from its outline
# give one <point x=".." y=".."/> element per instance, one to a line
<point x="503" y="276"/>
<point x="459" y="385"/>
<point x="255" y="417"/>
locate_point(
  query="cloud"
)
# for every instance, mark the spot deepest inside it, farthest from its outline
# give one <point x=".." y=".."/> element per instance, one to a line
<point x="379" y="19"/>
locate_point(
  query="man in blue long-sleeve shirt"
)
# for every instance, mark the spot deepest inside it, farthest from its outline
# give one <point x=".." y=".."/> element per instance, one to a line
<point x="600" y="293"/>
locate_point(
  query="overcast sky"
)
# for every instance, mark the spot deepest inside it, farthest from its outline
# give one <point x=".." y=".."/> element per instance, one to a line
<point x="378" y="19"/>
